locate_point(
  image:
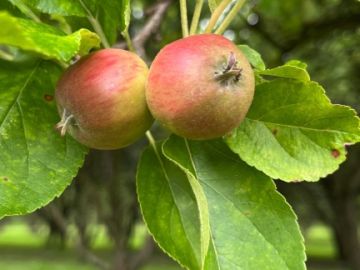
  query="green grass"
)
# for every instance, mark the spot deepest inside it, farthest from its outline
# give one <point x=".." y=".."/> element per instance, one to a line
<point x="19" y="234"/>
<point x="21" y="248"/>
<point x="43" y="265"/>
<point x="161" y="267"/>
<point x="17" y="258"/>
<point x="319" y="242"/>
<point x="35" y="258"/>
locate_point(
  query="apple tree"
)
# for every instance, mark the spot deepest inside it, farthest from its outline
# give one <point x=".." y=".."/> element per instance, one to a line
<point x="209" y="203"/>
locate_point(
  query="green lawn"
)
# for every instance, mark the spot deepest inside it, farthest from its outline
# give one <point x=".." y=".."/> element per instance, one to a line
<point x="19" y="234"/>
<point x="319" y="242"/>
<point x="21" y="248"/>
<point x="40" y="259"/>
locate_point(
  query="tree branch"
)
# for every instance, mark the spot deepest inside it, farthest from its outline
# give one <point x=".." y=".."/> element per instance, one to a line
<point x="150" y="27"/>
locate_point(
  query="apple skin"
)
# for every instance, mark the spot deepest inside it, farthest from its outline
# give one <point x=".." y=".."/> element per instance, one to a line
<point x="105" y="94"/>
<point x="184" y="95"/>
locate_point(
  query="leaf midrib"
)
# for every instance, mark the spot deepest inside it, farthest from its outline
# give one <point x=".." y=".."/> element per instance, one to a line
<point x="215" y="249"/>
<point x="303" y="127"/>
<point x="257" y="229"/>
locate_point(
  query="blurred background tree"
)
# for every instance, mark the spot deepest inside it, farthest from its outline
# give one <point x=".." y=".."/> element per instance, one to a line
<point x="98" y="214"/>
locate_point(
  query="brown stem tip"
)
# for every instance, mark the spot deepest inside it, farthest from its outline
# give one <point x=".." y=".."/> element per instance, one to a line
<point x="64" y="123"/>
<point x="231" y="71"/>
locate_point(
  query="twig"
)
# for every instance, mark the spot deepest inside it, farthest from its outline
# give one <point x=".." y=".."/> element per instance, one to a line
<point x="96" y="25"/>
<point x="91" y="258"/>
<point x="150" y="27"/>
<point x="140" y="258"/>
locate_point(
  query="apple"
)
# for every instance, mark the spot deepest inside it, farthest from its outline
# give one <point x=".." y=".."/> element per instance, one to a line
<point x="200" y="87"/>
<point x="101" y="99"/>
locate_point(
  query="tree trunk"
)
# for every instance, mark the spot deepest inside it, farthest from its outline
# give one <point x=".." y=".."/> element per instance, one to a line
<point x="345" y="229"/>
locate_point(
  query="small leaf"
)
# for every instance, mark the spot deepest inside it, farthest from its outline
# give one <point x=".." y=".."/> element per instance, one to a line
<point x="253" y="57"/>
<point x="169" y="208"/>
<point x="292" y="131"/>
<point x="251" y="225"/>
<point x="297" y="63"/>
<point x="87" y="40"/>
<point x="36" y="164"/>
<point x="292" y="69"/>
<point x="45" y="40"/>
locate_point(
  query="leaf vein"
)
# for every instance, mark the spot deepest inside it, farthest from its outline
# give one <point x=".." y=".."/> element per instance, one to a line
<point x="7" y="112"/>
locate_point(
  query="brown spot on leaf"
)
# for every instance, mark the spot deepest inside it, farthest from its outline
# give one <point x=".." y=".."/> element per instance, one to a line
<point x="5" y="178"/>
<point x="48" y="97"/>
<point x="247" y="213"/>
<point x="274" y="131"/>
<point x="335" y="153"/>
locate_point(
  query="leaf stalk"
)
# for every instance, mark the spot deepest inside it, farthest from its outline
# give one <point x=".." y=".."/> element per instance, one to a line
<point x="128" y="40"/>
<point x="184" y="19"/>
<point x="196" y="16"/>
<point x="216" y="15"/>
<point x="230" y="17"/>
<point x="96" y="25"/>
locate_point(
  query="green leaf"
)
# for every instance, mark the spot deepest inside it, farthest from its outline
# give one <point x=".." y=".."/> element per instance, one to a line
<point x="293" y="132"/>
<point x="297" y="63"/>
<point x="60" y="7"/>
<point x="45" y="40"/>
<point x="292" y="69"/>
<point x="251" y="225"/>
<point x="36" y="164"/>
<point x="253" y="57"/>
<point x="169" y="208"/>
<point x="107" y="17"/>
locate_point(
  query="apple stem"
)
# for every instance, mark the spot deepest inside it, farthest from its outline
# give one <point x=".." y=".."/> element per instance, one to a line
<point x="62" y="126"/>
<point x="216" y="15"/>
<point x="184" y="19"/>
<point x="128" y="41"/>
<point x="231" y="70"/>
<point x="229" y="17"/>
<point x="196" y="16"/>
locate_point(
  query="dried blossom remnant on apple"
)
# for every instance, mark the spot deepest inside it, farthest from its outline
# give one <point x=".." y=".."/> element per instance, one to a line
<point x="101" y="99"/>
<point x="231" y="72"/>
<point x="66" y="121"/>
